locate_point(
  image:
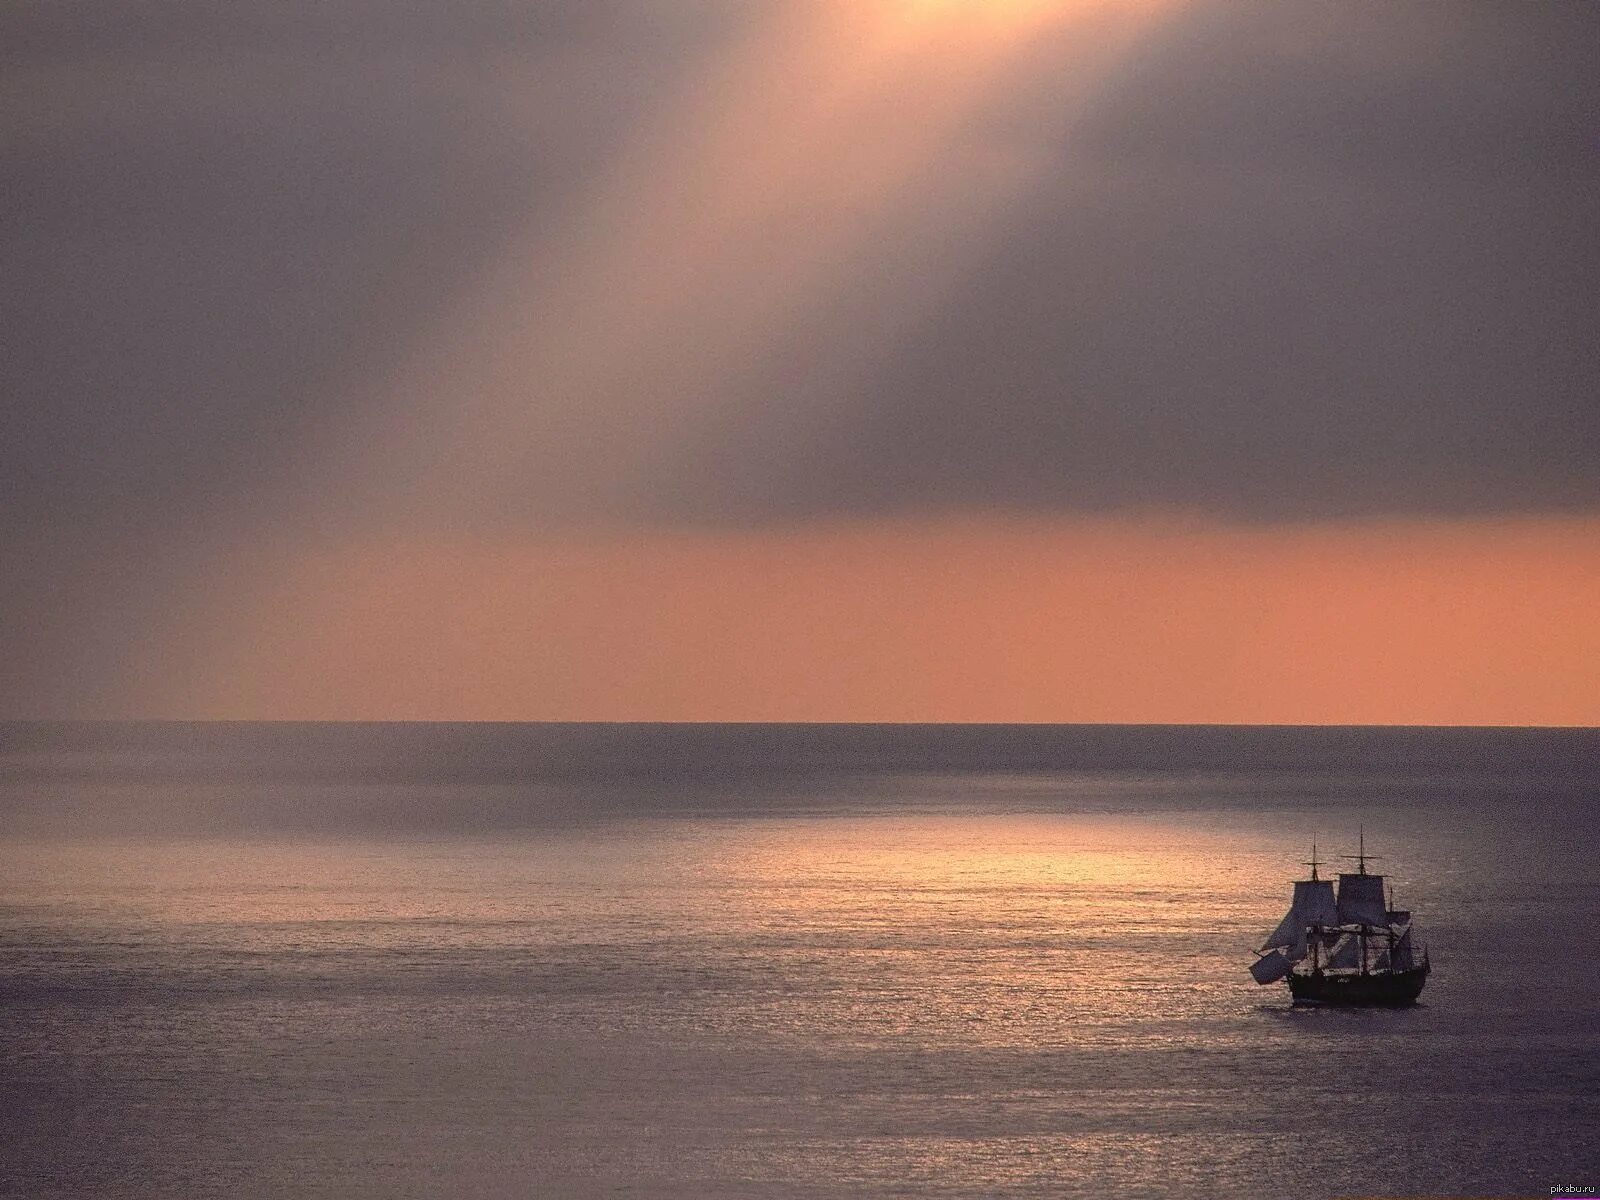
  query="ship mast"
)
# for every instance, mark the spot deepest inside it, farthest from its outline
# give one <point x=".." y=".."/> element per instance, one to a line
<point x="1389" y="926"/>
<point x="1316" y="964"/>
<point x="1361" y="857"/>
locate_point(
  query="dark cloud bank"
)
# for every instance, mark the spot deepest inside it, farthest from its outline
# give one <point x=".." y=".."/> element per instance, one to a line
<point x="1305" y="262"/>
<point x="1302" y="261"/>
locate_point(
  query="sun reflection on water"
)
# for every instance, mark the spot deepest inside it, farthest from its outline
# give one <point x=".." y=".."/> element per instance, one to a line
<point x="976" y="1001"/>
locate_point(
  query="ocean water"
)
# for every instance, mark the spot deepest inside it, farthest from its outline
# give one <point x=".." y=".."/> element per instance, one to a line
<point x="724" y="961"/>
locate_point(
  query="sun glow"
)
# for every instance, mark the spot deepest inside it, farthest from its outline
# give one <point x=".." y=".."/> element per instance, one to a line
<point x="1014" y="13"/>
<point x="1414" y="623"/>
<point x="833" y="170"/>
<point x="832" y="167"/>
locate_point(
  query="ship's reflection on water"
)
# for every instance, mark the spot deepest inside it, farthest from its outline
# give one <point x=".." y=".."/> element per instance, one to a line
<point x="954" y="1001"/>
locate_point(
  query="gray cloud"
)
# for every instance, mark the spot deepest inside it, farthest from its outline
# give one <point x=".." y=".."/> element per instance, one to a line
<point x="1303" y="260"/>
<point x="216" y="222"/>
<point x="1306" y="261"/>
<point x="1300" y="261"/>
<point x="214" y="219"/>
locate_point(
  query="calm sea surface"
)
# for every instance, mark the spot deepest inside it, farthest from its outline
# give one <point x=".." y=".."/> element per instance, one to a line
<point x="724" y="961"/>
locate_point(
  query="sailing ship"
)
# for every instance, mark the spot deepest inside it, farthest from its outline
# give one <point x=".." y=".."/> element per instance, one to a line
<point x="1350" y="947"/>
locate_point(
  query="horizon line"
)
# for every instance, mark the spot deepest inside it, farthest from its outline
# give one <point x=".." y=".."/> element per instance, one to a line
<point x="693" y="724"/>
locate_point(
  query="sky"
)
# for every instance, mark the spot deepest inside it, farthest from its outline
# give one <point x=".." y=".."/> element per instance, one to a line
<point x="1026" y="360"/>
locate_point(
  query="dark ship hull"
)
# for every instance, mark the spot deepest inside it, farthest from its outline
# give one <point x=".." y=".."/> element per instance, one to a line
<point x="1385" y="989"/>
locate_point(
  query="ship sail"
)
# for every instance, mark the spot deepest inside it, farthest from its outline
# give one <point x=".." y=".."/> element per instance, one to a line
<point x="1290" y="936"/>
<point x="1361" y="900"/>
<point x="1269" y="968"/>
<point x="1313" y="904"/>
<point x="1345" y="954"/>
<point x="1314" y="901"/>
<point x="1401" y="959"/>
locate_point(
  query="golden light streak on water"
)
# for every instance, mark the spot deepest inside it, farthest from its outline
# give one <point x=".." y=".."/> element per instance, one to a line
<point x="1038" y="922"/>
<point x="338" y="962"/>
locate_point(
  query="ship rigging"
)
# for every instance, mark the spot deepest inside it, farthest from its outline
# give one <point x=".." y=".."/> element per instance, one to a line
<point x="1344" y="947"/>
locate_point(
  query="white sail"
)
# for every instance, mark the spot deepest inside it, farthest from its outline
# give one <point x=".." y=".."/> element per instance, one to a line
<point x="1313" y="900"/>
<point x="1269" y="968"/>
<point x="1313" y="904"/>
<point x="1402" y="959"/>
<point x="1290" y="935"/>
<point x="1346" y="954"/>
<point x="1296" y="949"/>
<point x="1361" y="900"/>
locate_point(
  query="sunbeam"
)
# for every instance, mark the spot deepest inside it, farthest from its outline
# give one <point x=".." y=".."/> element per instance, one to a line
<point x="831" y="171"/>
